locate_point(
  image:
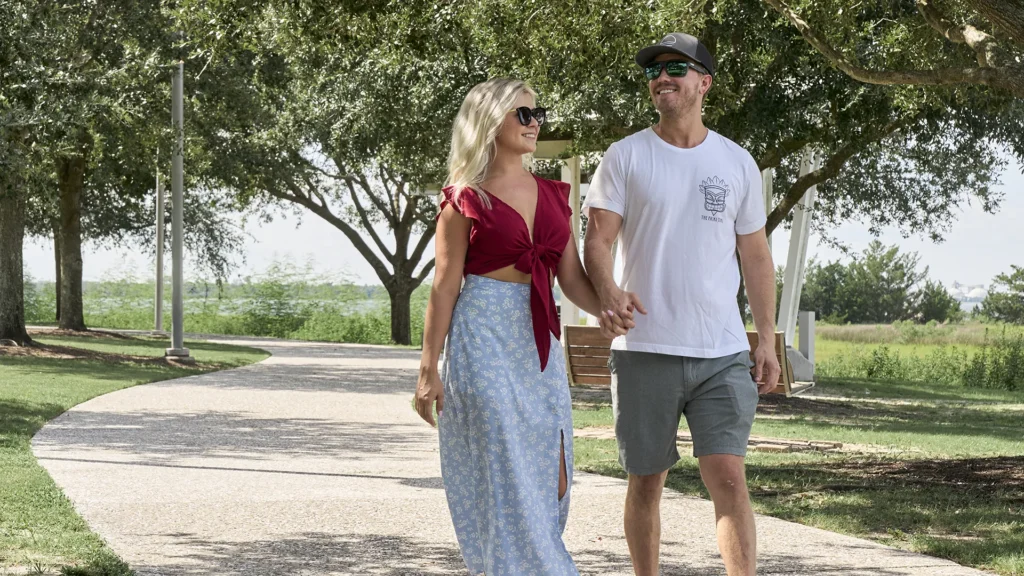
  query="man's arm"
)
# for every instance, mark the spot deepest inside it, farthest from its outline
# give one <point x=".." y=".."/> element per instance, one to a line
<point x="759" y="277"/>
<point x="602" y="229"/>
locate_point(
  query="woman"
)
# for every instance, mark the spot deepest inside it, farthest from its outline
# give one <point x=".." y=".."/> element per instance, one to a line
<point x="503" y="405"/>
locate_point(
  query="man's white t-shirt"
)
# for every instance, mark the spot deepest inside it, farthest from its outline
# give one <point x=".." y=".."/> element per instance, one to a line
<point x="681" y="209"/>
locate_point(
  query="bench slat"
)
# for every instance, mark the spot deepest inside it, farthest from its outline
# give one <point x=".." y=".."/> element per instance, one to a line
<point x="581" y="336"/>
<point x="591" y="351"/>
<point x="601" y="361"/>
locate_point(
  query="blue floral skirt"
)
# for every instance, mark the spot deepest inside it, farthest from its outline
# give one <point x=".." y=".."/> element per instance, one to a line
<point x="501" y="430"/>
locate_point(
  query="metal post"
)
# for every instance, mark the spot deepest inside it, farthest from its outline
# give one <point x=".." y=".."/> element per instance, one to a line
<point x="158" y="310"/>
<point x="767" y="180"/>
<point x="807" y="335"/>
<point x="177" y="349"/>
<point x="571" y="174"/>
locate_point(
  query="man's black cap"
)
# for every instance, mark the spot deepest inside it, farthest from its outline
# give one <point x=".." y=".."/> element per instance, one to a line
<point x="678" y="43"/>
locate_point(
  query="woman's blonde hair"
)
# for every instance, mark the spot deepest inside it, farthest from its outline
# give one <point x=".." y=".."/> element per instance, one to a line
<point x="475" y="130"/>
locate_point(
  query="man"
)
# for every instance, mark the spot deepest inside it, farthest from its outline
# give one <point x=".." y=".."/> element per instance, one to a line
<point x="682" y="199"/>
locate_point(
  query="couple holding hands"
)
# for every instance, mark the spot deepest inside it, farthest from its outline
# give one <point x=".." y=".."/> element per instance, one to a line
<point x="682" y="200"/>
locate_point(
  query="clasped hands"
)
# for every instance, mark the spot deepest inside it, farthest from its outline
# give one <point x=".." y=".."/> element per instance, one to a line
<point x="617" y="310"/>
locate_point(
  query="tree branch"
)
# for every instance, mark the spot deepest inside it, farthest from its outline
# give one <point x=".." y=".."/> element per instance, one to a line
<point x="351" y="233"/>
<point x="775" y="156"/>
<point x="389" y="215"/>
<point x="984" y="45"/>
<point x="1007" y="15"/>
<point x="424" y="273"/>
<point x="365" y="219"/>
<point x="421" y="246"/>
<point x="1009" y="78"/>
<point x="829" y="170"/>
<point x="382" y="174"/>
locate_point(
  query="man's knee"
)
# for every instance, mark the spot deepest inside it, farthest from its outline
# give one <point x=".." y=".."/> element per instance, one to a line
<point x="648" y="487"/>
<point x="723" y="474"/>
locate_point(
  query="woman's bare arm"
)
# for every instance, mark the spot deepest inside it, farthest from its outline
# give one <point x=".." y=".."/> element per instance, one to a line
<point x="450" y="246"/>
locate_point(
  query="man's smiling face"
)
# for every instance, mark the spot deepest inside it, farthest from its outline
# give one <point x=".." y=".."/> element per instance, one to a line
<point x="672" y="95"/>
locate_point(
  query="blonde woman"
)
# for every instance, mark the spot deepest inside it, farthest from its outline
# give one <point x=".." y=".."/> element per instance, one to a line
<point x="502" y="399"/>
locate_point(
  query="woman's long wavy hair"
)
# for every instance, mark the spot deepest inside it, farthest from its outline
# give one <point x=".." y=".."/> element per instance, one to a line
<point x="476" y="127"/>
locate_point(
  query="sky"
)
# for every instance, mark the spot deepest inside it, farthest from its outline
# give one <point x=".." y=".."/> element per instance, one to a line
<point x="978" y="246"/>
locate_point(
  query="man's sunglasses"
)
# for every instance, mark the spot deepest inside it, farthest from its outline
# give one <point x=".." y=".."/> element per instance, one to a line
<point x="675" y="69"/>
<point x="525" y="115"/>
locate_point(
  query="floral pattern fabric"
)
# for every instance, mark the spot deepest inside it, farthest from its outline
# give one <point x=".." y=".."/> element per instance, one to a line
<point x="503" y="423"/>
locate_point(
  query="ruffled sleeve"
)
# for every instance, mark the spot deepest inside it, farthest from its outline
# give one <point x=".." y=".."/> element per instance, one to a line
<point x="464" y="202"/>
<point x="564" y="191"/>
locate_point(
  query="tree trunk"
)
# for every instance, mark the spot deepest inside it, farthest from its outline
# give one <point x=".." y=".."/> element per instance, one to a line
<point x="12" y="274"/>
<point x="56" y="259"/>
<point x="401" y="315"/>
<point x="71" y="175"/>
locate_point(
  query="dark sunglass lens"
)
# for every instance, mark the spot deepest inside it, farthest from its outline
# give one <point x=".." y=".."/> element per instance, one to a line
<point x="652" y="71"/>
<point x="540" y="115"/>
<point x="677" y="69"/>
<point x="523" y="113"/>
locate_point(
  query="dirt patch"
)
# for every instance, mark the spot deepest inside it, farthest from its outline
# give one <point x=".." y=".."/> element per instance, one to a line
<point x="776" y="406"/>
<point x="1001" y="472"/>
<point x="98" y="334"/>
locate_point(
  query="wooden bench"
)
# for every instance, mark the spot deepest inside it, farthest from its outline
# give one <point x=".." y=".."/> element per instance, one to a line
<point x="587" y="352"/>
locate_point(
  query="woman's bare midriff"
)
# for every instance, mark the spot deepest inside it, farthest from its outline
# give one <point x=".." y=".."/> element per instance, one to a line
<point x="510" y="274"/>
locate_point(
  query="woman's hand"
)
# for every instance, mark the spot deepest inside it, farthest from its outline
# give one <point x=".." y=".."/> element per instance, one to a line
<point x="429" y="389"/>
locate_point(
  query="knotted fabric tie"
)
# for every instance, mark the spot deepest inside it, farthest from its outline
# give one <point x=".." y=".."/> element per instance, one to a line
<point x="538" y="261"/>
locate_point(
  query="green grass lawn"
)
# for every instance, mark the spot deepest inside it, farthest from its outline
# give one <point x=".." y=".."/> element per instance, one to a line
<point x="39" y="529"/>
<point x="938" y="469"/>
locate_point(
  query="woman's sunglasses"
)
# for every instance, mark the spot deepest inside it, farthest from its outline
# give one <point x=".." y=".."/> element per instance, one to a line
<point x="675" y="69"/>
<point x="525" y="115"/>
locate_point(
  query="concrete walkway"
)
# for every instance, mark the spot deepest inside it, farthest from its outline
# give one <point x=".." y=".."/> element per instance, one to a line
<point x="313" y="463"/>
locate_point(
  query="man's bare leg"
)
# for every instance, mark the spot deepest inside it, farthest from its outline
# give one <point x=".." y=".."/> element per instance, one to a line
<point x="643" y="521"/>
<point x="725" y="478"/>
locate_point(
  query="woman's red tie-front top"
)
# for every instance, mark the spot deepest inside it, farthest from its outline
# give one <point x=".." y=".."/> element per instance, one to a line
<point x="499" y="238"/>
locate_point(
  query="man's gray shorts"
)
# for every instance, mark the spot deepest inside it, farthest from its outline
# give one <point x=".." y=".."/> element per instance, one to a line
<point x="650" y="392"/>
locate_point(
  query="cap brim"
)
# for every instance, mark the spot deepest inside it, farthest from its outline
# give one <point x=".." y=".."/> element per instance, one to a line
<point x="644" y="56"/>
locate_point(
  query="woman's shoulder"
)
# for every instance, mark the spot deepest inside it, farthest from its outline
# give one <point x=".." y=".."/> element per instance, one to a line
<point x="559" y="186"/>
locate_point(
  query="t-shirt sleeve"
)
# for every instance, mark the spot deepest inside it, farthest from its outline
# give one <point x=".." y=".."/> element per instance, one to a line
<point x="608" y="188"/>
<point x="751" y="214"/>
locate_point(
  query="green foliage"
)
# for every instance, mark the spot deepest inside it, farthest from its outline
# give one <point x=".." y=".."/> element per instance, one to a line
<point x="1005" y="300"/>
<point x="908" y="332"/>
<point x="935" y="304"/>
<point x="880" y="286"/>
<point x="997" y="364"/>
<point x="39" y="300"/>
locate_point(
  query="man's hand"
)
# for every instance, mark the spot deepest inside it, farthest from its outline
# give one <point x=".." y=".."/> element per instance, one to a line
<point x="766" y="367"/>
<point x="617" y="312"/>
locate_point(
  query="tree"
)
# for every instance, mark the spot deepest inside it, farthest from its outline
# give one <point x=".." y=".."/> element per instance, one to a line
<point x="974" y="42"/>
<point x="1005" y="300"/>
<point x="890" y="157"/>
<point x="823" y="292"/>
<point x="310" y="109"/>
<point x="934" y="302"/>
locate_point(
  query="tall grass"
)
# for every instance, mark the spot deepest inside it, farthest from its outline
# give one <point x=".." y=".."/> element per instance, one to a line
<point x="965" y="334"/>
<point x="998" y="363"/>
<point x="284" y="301"/>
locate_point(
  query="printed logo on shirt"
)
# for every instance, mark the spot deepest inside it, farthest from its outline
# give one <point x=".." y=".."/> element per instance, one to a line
<point x="715" y="192"/>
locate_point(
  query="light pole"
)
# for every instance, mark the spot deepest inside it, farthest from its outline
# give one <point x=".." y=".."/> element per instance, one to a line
<point x="177" y="349"/>
<point x="158" y="308"/>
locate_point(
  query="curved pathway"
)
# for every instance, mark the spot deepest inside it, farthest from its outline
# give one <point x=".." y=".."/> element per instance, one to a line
<point x="313" y="463"/>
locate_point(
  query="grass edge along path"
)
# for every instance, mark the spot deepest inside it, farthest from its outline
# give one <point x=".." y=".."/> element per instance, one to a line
<point x="40" y="532"/>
